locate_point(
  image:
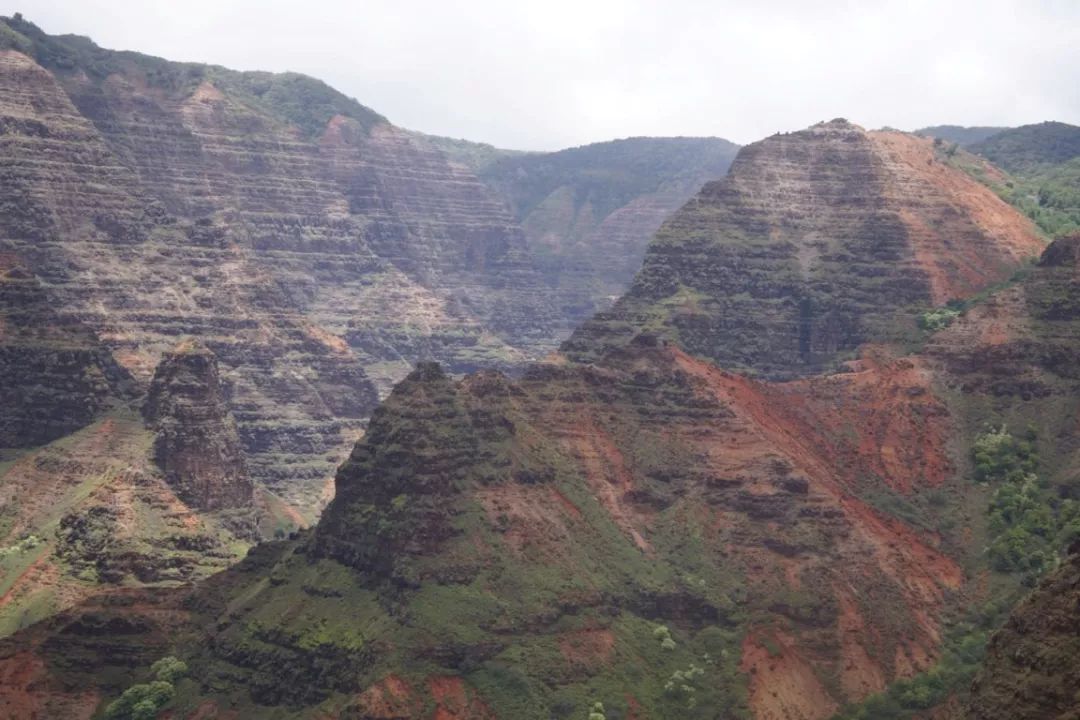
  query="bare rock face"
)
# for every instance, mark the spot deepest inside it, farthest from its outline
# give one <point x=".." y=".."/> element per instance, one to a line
<point x="816" y="242"/>
<point x="55" y="375"/>
<point x="196" y="443"/>
<point x="316" y="249"/>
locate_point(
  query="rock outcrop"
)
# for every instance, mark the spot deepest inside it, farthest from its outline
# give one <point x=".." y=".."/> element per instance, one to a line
<point x="1031" y="671"/>
<point x="195" y="440"/>
<point x="816" y="242"/>
<point x="91" y="512"/>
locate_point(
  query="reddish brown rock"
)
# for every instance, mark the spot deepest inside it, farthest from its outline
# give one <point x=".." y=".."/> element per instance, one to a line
<point x="195" y="443"/>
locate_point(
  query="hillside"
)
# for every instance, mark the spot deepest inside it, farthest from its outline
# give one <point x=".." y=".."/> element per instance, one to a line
<point x="649" y="530"/>
<point x="1022" y="149"/>
<point x="1043" y="162"/>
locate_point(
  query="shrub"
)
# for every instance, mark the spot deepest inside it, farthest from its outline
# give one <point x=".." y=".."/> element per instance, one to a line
<point x="938" y="319"/>
<point x="140" y="702"/>
<point x="662" y="634"/>
<point x="144" y="700"/>
<point x="169" y="669"/>
<point x="1000" y="456"/>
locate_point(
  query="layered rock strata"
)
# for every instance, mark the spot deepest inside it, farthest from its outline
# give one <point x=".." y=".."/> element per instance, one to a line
<point x="816" y="242"/>
<point x="196" y="444"/>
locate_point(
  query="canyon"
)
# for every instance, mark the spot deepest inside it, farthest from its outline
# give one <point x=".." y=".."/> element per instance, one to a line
<point x="615" y="427"/>
<point x="317" y="250"/>
<point x="647" y="528"/>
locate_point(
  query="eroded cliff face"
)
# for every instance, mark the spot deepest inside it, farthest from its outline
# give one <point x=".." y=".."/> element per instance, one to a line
<point x="649" y="529"/>
<point x="549" y="527"/>
<point x="317" y="250"/>
<point x="816" y="242"/>
<point x="55" y="374"/>
<point x="195" y="440"/>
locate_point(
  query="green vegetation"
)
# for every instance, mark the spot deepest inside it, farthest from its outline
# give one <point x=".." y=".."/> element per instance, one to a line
<point x="1029" y="523"/>
<point x="938" y="318"/>
<point x="1049" y="195"/>
<point x="1029" y="147"/>
<point x="998" y="455"/>
<point x="606" y="175"/>
<point x="1029" y="526"/>
<point x="684" y="684"/>
<point x="597" y="712"/>
<point x="963" y="653"/>
<point x="297" y="99"/>
<point x="662" y="634"/>
<point x="24" y="544"/>
<point x="144" y="701"/>
<point x="1044" y="163"/>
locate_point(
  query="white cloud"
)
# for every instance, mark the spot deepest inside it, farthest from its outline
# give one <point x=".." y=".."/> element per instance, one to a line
<point x="543" y="75"/>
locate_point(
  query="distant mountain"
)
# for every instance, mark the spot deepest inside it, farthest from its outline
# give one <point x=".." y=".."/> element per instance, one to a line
<point x="588" y="212"/>
<point x="1023" y="149"/>
<point x="960" y="134"/>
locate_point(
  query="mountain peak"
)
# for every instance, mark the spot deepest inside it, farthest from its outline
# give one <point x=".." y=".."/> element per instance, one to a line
<point x="816" y="242"/>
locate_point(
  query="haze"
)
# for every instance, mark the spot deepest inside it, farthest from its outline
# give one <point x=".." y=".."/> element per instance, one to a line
<point x="546" y="75"/>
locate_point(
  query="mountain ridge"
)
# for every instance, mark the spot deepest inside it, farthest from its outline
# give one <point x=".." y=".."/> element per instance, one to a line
<point x="643" y="529"/>
<point x="314" y="249"/>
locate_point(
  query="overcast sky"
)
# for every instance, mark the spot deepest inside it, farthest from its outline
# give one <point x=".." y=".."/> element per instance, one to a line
<point x="556" y="73"/>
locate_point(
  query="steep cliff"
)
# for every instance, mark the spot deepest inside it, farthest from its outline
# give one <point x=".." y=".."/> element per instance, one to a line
<point x="309" y="243"/>
<point x="195" y="440"/>
<point x="816" y="242"/>
<point x="55" y="373"/>
<point x="318" y="250"/>
<point x="650" y="530"/>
